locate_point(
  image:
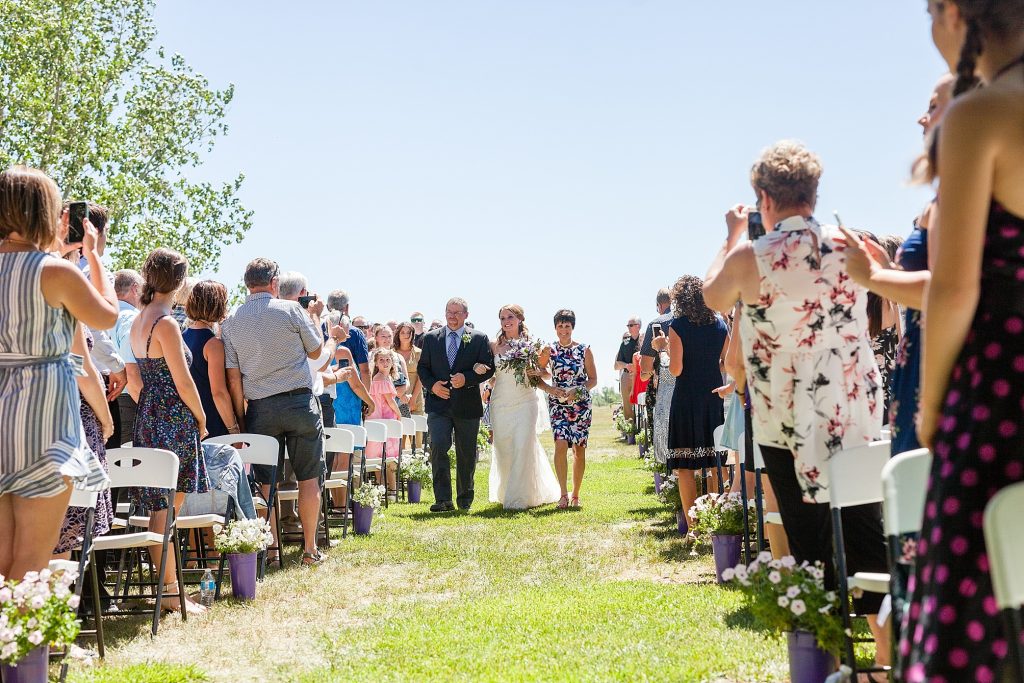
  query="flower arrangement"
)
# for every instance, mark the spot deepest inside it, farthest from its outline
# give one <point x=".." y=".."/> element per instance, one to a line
<point x="785" y="596"/>
<point x="720" y="514"/>
<point x="36" y="611"/>
<point x="669" y="493"/>
<point x="416" y="468"/>
<point x="624" y="424"/>
<point x="242" y="536"/>
<point x="369" y="495"/>
<point x="522" y="355"/>
<point x="641" y="438"/>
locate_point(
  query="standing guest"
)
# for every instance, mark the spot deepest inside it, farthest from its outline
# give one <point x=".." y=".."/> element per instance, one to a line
<point x="971" y="393"/>
<point x="351" y="394"/>
<point x="98" y="425"/>
<point x="180" y="301"/>
<point x="417" y="322"/>
<point x="906" y="287"/>
<point x="170" y="414"/>
<point x="639" y="385"/>
<point x="810" y="373"/>
<point x="294" y="286"/>
<point x="384" y="396"/>
<point x="128" y="287"/>
<point x="266" y="345"/>
<point x="410" y="353"/>
<point x="385" y="339"/>
<point x="206" y="308"/>
<point x="653" y="364"/>
<point x="883" y="319"/>
<point x="42" y="452"/>
<point x="573" y="375"/>
<point x="338" y="300"/>
<point x="695" y="345"/>
<point x="624" y="364"/>
<point x="393" y="325"/>
<point x="434" y="324"/>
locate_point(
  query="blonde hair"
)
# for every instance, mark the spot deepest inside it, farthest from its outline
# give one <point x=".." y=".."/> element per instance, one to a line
<point x="393" y="374"/>
<point x="30" y="206"/>
<point x="518" y="312"/>
<point x="789" y="173"/>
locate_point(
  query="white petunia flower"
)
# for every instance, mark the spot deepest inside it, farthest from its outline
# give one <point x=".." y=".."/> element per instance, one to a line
<point x="728" y="574"/>
<point x="764" y="557"/>
<point x="35" y="637"/>
<point x="774" y="577"/>
<point x="798" y="607"/>
<point x="793" y="591"/>
<point x="788" y="561"/>
<point x="783" y="601"/>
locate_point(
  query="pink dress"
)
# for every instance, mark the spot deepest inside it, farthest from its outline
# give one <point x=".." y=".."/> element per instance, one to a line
<point x="382" y="390"/>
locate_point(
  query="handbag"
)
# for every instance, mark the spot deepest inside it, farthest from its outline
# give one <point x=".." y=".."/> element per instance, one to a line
<point x="732" y="435"/>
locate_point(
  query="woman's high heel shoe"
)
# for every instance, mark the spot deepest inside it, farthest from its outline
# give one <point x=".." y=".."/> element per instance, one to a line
<point x="563" y="502"/>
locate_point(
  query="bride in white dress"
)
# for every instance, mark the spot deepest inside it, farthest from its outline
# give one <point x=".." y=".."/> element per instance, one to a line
<point x="521" y="476"/>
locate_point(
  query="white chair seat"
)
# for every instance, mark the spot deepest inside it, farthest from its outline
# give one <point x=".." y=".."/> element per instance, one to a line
<point x="773" y="518"/>
<point x="118" y="523"/>
<point x="288" y="494"/>
<point x="123" y="508"/>
<point x="63" y="566"/>
<point x="199" y="521"/>
<point x="872" y="582"/>
<point x="339" y="483"/>
<point x="139" y="539"/>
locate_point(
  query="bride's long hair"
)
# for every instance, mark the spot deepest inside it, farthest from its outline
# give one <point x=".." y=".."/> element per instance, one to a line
<point x="518" y="312"/>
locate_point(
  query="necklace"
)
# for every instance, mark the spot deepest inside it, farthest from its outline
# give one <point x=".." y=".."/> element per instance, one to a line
<point x="1019" y="60"/>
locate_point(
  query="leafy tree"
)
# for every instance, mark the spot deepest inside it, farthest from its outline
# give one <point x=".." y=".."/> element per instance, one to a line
<point x="87" y="97"/>
<point x="606" y="396"/>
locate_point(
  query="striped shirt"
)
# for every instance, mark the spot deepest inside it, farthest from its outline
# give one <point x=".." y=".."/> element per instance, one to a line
<point x="267" y="339"/>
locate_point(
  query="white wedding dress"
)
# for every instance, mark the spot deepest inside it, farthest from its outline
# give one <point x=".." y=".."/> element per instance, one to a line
<point x="521" y="476"/>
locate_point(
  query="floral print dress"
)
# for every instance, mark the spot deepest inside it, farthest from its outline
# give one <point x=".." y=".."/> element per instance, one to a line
<point x="570" y="419"/>
<point x="815" y="388"/>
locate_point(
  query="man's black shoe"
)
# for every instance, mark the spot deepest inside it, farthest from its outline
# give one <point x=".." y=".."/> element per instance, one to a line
<point x="442" y="507"/>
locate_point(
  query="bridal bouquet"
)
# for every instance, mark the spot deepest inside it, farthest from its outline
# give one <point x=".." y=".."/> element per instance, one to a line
<point x="522" y="355"/>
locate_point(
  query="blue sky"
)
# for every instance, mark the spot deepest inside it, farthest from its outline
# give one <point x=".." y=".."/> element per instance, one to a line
<point x="551" y="153"/>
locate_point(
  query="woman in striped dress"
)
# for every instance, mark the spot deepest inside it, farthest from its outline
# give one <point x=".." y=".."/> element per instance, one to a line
<point x="42" y="444"/>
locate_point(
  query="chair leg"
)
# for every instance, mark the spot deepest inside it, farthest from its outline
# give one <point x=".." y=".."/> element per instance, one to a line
<point x="97" y="608"/>
<point x="181" y="581"/>
<point x="746" y="514"/>
<point x="839" y="558"/>
<point x="759" y="506"/>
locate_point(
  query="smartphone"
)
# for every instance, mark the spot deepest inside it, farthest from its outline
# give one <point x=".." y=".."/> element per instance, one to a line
<point x="656" y="329"/>
<point x="305" y="301"/>
<point x="839" y="221"/>
<point x="77" y="213"/>
<point x="755" y="226"/>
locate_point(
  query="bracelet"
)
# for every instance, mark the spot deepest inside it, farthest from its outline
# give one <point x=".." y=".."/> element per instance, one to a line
<point x="233" y="429"/>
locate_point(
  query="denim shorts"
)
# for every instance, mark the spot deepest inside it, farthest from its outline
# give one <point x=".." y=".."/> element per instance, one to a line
<point x="295" y="422"/>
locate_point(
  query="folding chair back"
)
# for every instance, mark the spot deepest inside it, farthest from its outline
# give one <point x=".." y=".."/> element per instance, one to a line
<point x="904" y="488"/>
<point x="83" y="499"/>
<point x="376" y="431"/>
<point x="358" y="431"/>
<point x="392" y="428"/>
<point x="855" y="474"/>
<point x="339" y="440"/>
<point x="719" y="431"/>
<point x="256" y="449"/>
<point x="408" y="427"/>
<point x="149" y="467"/>
<point x="1003" y="516"/>
<point x="421" y="422"/>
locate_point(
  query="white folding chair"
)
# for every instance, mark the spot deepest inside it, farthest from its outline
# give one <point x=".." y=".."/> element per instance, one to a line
<point x="1006" y="557"/>
<point x="338" y="440"/>
<point x="421" y="428"/>
<point x="151" y="468"/>
<point x="408" y="434"/>
<point x="256" y="449"/>
<point x="86" y="500"/>
<point x="392" y="430"/>
<point x="904" y="489"/>
<point x="855" y="476"/>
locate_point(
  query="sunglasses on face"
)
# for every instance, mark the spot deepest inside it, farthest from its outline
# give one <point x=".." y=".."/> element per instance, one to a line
<point x="417" y="320"/>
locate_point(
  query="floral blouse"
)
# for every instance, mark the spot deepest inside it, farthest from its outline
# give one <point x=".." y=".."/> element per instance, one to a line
<point x="814" y="385"/>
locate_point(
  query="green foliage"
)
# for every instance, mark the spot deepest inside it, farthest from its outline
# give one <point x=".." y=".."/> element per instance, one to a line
<point x="152" y="672"/>
<point x="237" y="296"/>
<point x="785" y="596"/>
<point x="87" y="97"/>
<point x="605" y="396"/>
<point x="416" y="467"/>
<point x="720" y="514"/>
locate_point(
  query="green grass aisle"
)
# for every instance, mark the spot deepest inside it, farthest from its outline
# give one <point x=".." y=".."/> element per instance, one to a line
<point x="603" y="593"/>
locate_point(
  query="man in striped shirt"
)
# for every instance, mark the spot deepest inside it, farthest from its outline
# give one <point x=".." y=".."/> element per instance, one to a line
<point x="267" y="342"/>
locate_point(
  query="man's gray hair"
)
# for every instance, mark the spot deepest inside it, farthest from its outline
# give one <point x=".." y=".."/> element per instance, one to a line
<point x="260" y="272"/>
<point x="337" y="300"/>
<point x="634" y="319"/>
<point x="460" y="301"/>
<point x="124" y="280"/>
<point x="291" y="283"/>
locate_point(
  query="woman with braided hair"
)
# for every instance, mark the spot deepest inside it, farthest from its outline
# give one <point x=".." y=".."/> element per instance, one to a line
<point x="971" y="388"/>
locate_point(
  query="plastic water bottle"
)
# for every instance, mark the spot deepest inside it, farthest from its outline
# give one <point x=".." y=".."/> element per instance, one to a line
<point x="207" y="589"/>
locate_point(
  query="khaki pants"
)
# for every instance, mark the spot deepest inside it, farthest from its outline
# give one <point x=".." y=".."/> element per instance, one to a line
<point x="626" y="389"/>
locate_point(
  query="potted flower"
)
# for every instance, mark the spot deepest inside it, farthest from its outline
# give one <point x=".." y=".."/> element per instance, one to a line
<point x="416" y="470"/>
<point x="669" y="495"/>
<point x="658" y="470"/>
<point x="35" y="613"/>
<point x="242" y="540"/>
<point x="721" y="517"/>
<point x="641" y="440"/>
<point x="785" y="596"/>
<point x="365" y="500"/>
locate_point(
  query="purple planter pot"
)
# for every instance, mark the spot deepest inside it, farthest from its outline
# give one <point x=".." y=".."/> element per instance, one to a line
<point x="808" y="663"/>
<point x="631" y="439"/>
<point x="657" y="482"/>
<point x="32" y="668"/>
<point x="362" y="519"/>
<point x="681" y="522"/>
<point x="243" y="575"/>
<point x="643" y="450"/>
<point x="415" y="491"/>
<point x="727" y="552"/>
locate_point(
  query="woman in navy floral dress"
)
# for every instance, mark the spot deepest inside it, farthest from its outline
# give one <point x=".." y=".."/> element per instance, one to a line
<point x="170" y="413"/>
<point x="573" y="375"/>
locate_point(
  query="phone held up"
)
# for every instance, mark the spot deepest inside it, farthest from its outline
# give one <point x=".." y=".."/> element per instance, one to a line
<point x="78" y="212"/>
<point x="656" y="329"/>
<point x="305" y="301"/>
<point x="755" y="225"/>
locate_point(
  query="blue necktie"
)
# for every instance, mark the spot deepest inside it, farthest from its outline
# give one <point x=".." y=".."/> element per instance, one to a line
<point x="453" y="348"/>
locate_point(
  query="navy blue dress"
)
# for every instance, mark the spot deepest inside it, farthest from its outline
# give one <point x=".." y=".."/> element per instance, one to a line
<point x="696" y="412"/>
<point x="906" y="377"/>
<point x="195" y="340"/>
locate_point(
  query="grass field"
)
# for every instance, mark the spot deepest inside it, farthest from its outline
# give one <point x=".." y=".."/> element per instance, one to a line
<point x="607" y="592"/>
